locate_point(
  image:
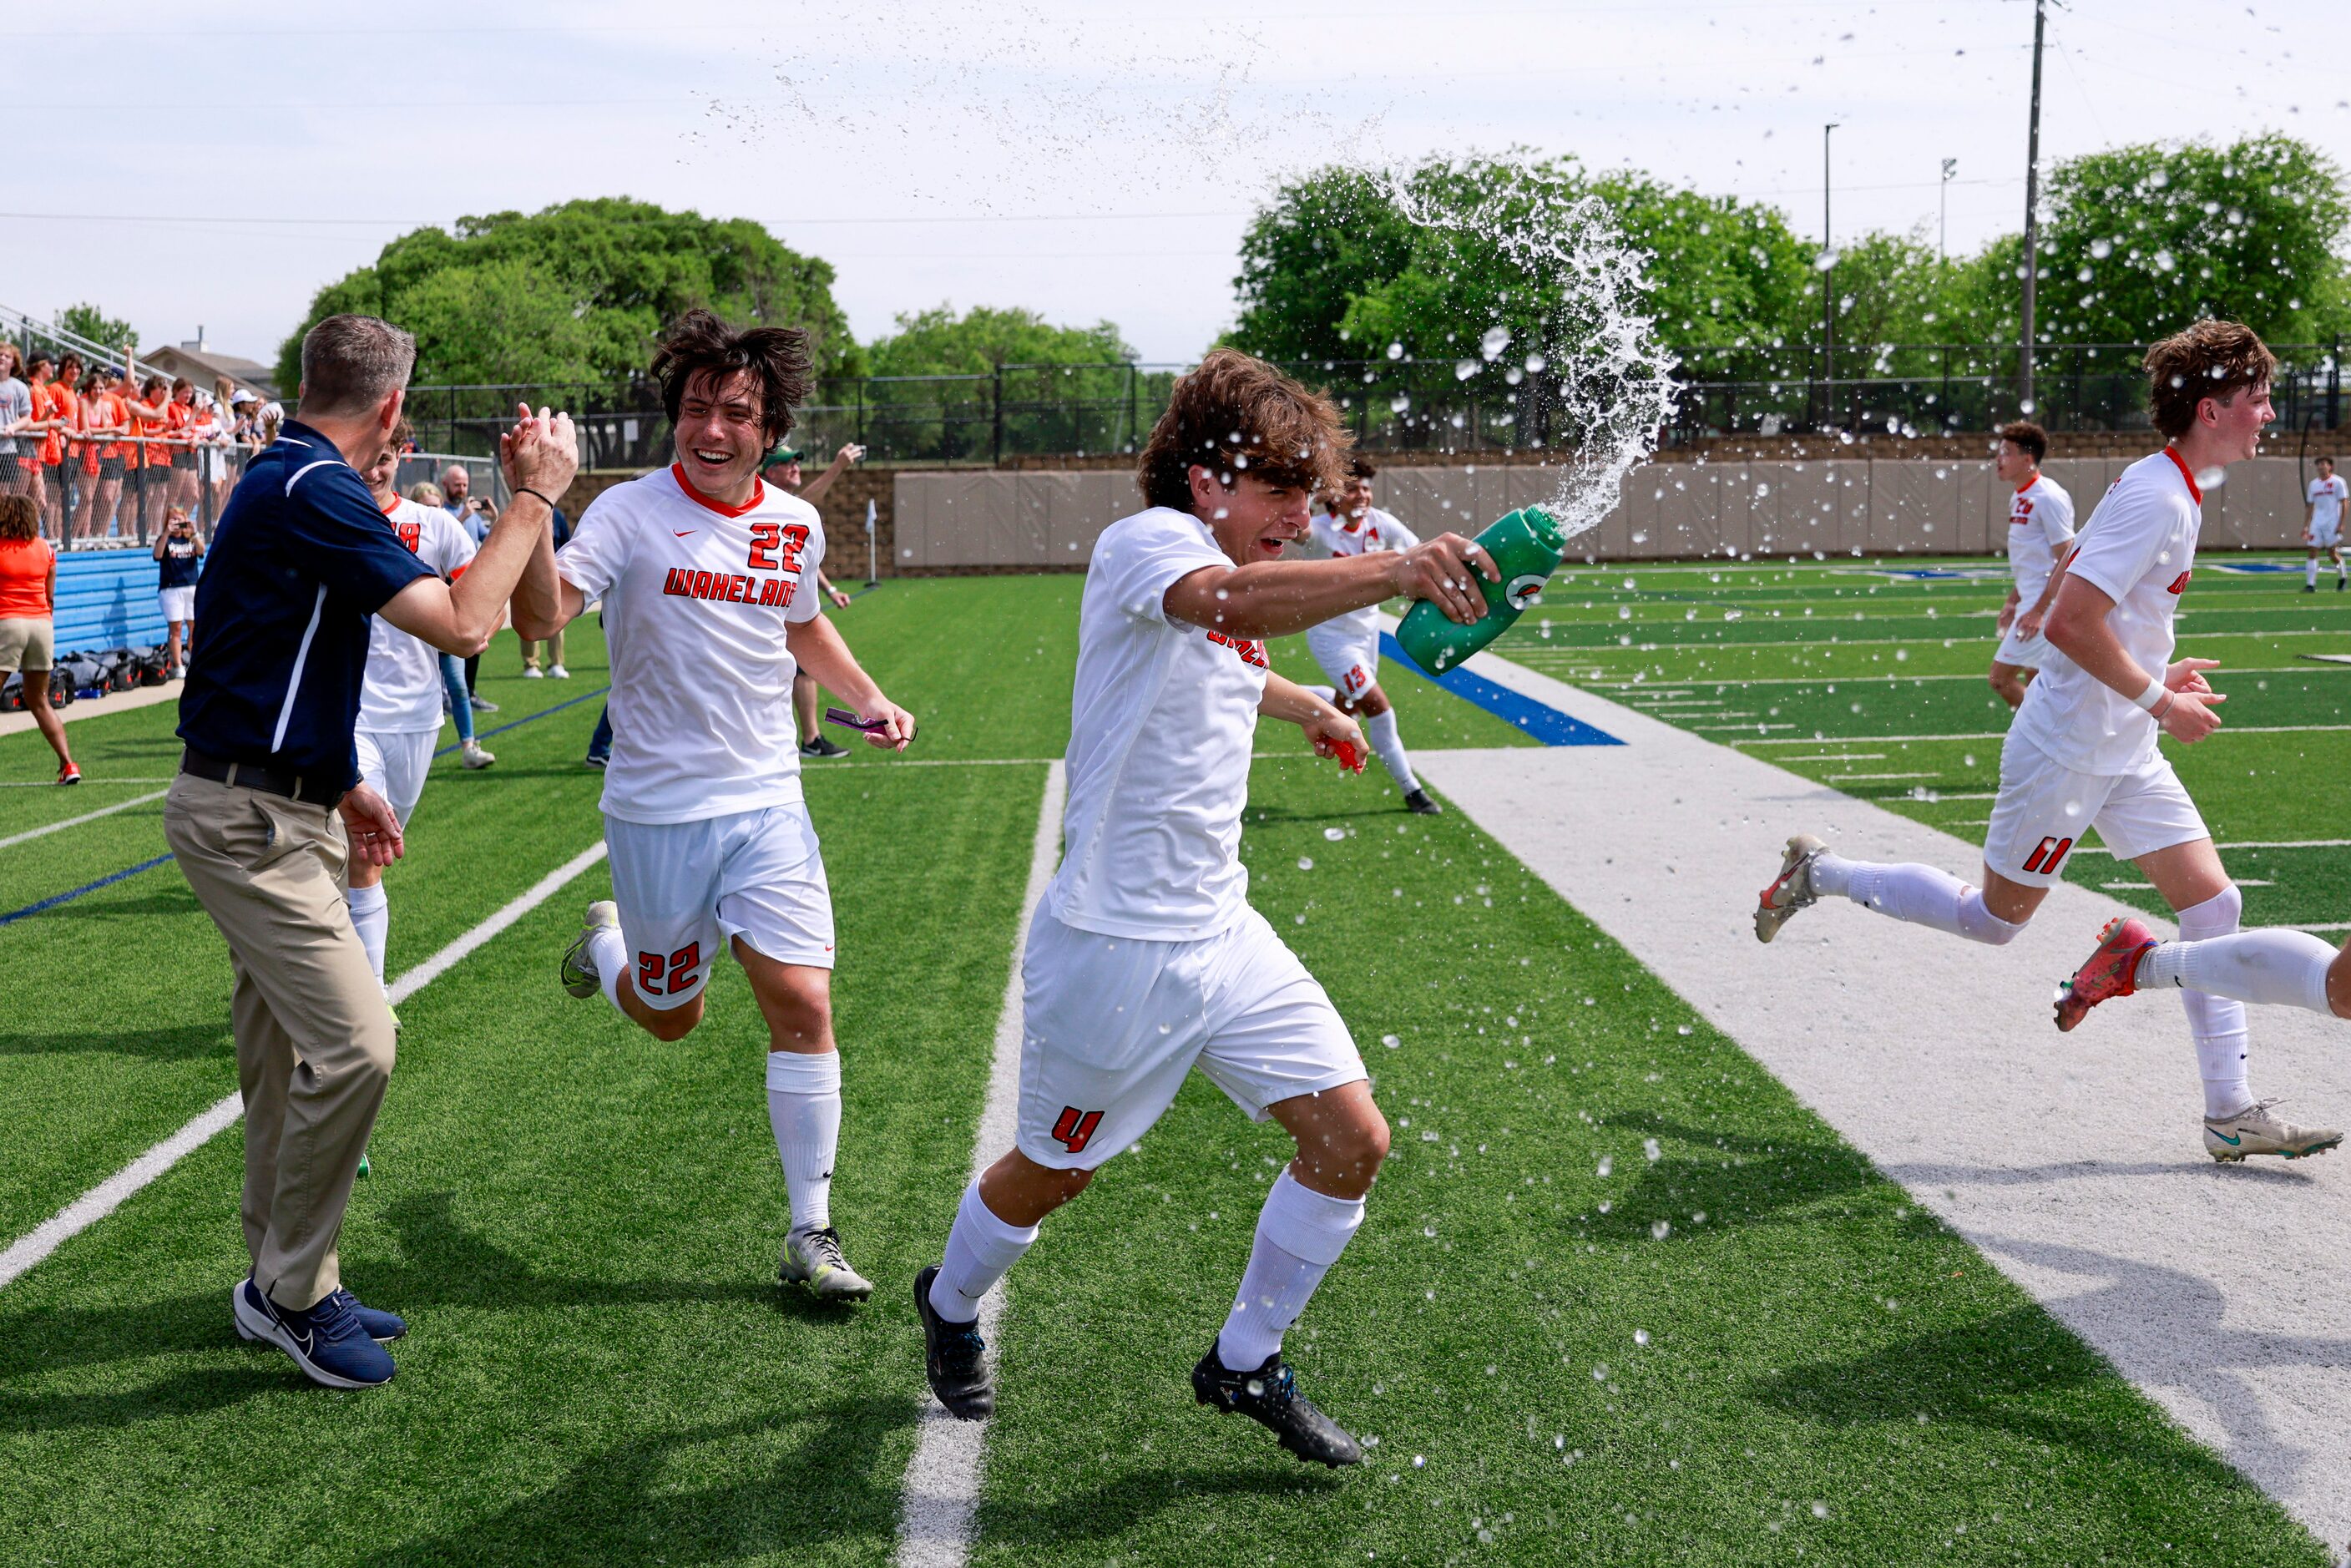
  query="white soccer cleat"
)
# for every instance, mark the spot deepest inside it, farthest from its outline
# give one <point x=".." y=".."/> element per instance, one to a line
<point x="813" y="1258"/>
<point x="472" y="755"/>
<point x="2254" y="1131"/>
<point x="1790" y="891"/>
<point x="558" y="673"/>
<point x="579" y="969"/>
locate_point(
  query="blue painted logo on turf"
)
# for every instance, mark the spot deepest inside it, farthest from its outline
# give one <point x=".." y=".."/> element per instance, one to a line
<point x="1545" y="723"/>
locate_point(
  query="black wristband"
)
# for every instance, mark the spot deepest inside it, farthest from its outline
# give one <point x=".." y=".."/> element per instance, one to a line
<point x="527" y="490"/>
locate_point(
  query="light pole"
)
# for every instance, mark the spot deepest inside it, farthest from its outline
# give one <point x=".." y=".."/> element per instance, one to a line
<point x="2031" y="215"/>
<point x="1828" y="290"/>
<point x="1943" y="229"/>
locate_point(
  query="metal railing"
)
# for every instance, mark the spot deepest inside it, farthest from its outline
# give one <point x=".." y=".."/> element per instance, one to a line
<point x="116" y="492"/>
<point x="1406" y="404"/>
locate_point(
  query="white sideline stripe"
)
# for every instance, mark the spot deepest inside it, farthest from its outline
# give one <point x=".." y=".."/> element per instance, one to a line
<point x="941" y="1486"/>
<point x="85" y="784"/>
<point x="110" y="1193"/>
<point x="77" y="821"/>
<point x="2002" y="735"/>
<point x="1845" y="677"/>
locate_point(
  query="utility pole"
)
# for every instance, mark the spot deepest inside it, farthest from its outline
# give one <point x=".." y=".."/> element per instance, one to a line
<point x="2032" y="214"/>
<point x="1943" y="229"/>
<point x="1828" y="290"/>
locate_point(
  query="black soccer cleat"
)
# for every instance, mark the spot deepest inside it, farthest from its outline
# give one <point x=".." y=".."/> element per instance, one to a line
<point x="1420" y="805"/>
<point x="1269" y="1398"/>
<point x="954" y="1358"/>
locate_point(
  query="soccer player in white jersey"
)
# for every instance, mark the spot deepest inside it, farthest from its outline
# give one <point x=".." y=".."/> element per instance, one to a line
<point x="2081" y="750"/>
<point x="1145" y="958"/>
<point x="1348" y="646"/>
<point x="708" y="578"/>
<point x="399" y="698"/>
<point x="2040" y="531"/>
<point x="2322" y="525"/>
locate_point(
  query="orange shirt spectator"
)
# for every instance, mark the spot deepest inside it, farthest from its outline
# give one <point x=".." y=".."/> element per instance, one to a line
<point x="65" y="403"/>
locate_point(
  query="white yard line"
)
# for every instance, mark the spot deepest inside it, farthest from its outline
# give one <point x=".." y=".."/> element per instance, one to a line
<point x="2002" y="735"/>
<point x="30" y="833"/>
<point x="2076" y="1169"/>
<point x="87" y="783"/>
<point x="942" y="1485"/>
<point x="1876" y="677"/>
<point x="2237" y="844"/>
<point x="1856" y="778"/>
<point x="110" y="1193"/>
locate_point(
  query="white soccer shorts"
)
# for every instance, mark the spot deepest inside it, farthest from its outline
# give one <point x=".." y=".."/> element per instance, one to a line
<point x="1112" y="1024"/>
<point x="394" y="764"/>
<point x="686" y="888"/>
<point x="2326" y="535"/>
<point x="2024" y="653"/>
<point x="1349" y="659"/>
<point x="2043" y="809"/>
<point x="176" y="603"/>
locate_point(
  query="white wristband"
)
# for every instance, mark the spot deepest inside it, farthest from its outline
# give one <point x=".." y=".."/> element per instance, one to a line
<point x="2152" y="696"/>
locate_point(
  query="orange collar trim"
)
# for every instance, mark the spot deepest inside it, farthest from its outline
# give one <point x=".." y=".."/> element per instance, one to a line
<point x="758" y="493"/>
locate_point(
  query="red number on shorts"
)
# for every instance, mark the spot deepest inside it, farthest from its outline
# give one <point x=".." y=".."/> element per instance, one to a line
<point x="1074" y="1129"/>
<point x="679" y="968"/>
<point x="764" y="536"/>
<point x="2049" y="856"/>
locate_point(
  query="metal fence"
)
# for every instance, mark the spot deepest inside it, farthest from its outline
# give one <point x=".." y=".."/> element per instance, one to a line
<point x="1408" y="404"/>
<point x="118" y="491"/>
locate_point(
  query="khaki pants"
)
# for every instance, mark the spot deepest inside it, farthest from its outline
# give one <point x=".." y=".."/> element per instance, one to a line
<point x="554" y="645"/>
<point x="314" y="1042"/>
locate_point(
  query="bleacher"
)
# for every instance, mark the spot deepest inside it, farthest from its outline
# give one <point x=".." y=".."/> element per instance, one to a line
<point x="106" y="598"/>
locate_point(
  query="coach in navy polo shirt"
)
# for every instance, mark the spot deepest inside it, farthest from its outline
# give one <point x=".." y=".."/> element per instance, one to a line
<point x="268" y="803"/>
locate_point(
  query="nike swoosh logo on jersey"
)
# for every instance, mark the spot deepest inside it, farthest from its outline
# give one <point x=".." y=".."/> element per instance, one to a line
<point x="682" y="533"/>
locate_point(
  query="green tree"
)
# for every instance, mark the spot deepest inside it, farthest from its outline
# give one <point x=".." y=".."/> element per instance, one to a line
<point x="939" y="342"/>
<point x="580" y="291"/>
<point x="2145" y="238"/>
<point x="89" y="321"/>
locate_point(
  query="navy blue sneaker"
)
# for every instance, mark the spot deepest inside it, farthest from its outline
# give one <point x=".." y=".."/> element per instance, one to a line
<point x="331" y="1343"/>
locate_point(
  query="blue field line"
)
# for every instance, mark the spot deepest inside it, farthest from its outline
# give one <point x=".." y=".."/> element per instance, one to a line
<point x="558" y="707"/>
<point x="1543" y="721"/>
<point x="107" y="880"/>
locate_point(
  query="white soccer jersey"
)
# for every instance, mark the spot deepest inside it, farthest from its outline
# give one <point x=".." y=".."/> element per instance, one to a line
<point x="698" y="597"/>
<point x="2139" y="550"/>
<point x="2326" y="498"/>
<point x="1160" y="729"/>
<point x="2040" y="527"/>
<point x="401" y="693"/>
<point x="1328" y="537"/>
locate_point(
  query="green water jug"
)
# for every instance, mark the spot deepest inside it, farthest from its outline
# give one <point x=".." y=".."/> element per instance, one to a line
<point x="1527" y="547"/>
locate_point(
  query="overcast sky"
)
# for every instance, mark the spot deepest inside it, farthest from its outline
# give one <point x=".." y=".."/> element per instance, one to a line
<point x="1088" y="161"/>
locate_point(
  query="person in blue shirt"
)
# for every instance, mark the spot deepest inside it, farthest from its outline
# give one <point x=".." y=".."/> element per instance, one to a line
<point x="268" y="809"/>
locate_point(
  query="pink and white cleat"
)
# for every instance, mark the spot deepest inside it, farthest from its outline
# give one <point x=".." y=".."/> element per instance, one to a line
<point x="2111" y="972"/>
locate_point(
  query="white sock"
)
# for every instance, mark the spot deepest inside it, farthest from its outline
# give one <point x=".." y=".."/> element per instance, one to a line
<point x="2279" y="968"/>
<point x="980" y="1249"/>
<point x="1380" y="729"/>
<point x="1300" y="1234"/>
<point x="2217" y="1023"/>
<point x="611" y="957"/>
<point x="372" y="918"/>
<point x="804" y="1109"/>
<point x="2310" y="571"/>
<point x="1921" y="895"/>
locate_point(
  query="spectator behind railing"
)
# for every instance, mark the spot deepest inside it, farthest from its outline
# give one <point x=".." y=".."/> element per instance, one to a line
<point x="28" y="604"/>
<point x="16" y="474"/>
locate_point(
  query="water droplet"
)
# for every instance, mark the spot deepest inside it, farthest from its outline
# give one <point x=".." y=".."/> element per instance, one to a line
<point x="1640" y="1336"/>
<point x="1335" y="834"/>
<point x="1650" y="1146"/>
<point x="1305" y="864"/>
<point x="1659" y="1230"/>
<point x="1607" y="1164"/>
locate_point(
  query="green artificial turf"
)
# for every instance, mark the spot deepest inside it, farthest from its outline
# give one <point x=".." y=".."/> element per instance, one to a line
<point x="1618" y="1299"/>
<point x="581" y="1223"/>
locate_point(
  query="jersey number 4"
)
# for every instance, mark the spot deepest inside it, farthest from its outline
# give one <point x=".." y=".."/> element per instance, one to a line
<point x="767" y="537"/>
<point x="657" y="977"/>
<point x="1073" y="1129"/>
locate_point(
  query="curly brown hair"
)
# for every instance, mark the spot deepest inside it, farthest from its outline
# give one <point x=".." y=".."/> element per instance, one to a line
<point x="1233" y="413"/>
<point x="2211" y="359"/>
<point x="2026" y="437"/>
<point x="19" y="518"/>
<point x="776" y="359"/>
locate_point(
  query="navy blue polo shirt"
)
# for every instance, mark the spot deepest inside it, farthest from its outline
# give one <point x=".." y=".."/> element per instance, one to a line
<point x="302" y="558"/>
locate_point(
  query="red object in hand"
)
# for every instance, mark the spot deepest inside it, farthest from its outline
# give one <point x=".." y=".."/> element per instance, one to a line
<point x="1349" y="757"/>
